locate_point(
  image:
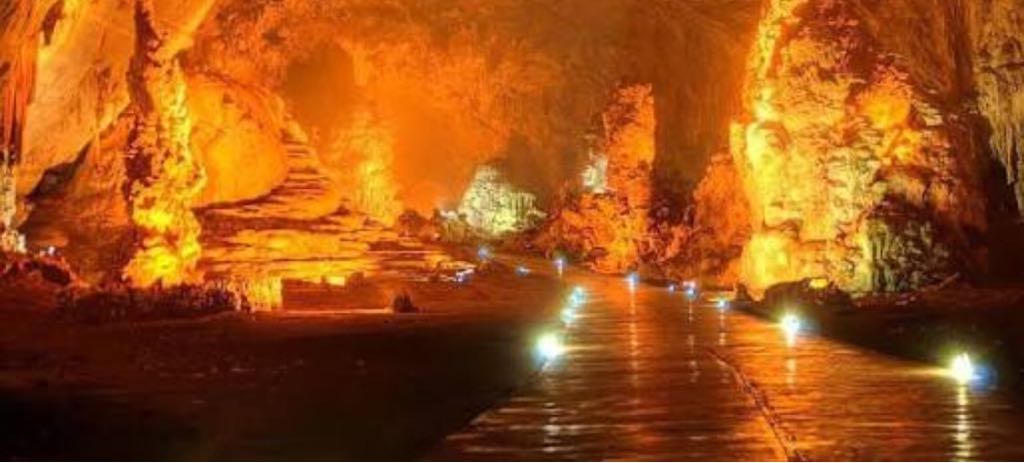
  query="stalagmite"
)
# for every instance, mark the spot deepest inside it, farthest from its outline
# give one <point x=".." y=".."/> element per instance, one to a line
<point x="164" y="178"/>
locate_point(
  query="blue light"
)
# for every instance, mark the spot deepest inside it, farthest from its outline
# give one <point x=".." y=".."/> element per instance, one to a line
<point x="633" y="279"/>
<point x="483" y="253"/>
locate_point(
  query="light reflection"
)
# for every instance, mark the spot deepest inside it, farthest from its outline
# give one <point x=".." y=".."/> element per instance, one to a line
<point x="963" y="432"/>
<point x="791" y="372"/>
<point x="522" y="270"/>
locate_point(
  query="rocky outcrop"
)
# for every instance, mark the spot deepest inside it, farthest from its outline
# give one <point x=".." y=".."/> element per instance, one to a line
<point x="609" y="229"/>
<point x="855" y="171"/>
<point x="997" y="47"/>
<point x="163" y="176"/>
<point x="493" y="208"/>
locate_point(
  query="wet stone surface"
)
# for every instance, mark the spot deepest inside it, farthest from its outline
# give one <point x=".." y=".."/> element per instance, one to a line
<point x="650" y="376"/>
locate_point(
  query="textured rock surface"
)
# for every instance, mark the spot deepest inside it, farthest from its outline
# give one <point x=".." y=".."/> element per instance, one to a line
<point x="610" y="229"/>
<point x="997" y="40"/>
<point x="856" y="171"/>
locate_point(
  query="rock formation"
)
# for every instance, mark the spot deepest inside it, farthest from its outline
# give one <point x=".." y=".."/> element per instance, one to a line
<point x="609" y="228"/>
<point x="163" y="176"/>
<point x="855" y="172"/>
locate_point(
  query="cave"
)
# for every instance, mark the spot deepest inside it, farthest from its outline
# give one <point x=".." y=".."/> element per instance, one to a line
<point x="234" y="187"/>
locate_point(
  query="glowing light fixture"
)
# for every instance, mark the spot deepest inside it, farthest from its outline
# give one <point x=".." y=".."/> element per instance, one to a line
<point x="791" y="326"/>
<point x="962" y="369"/>
<point x="462" y="276"/>
<point x="550" y="347"/>
<point x="568" y="315"/>
<point x="578" y="297"/>
<point x="722" y="304"/>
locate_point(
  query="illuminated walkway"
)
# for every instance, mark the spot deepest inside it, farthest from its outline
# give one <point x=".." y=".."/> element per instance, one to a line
<point x="647" y="377"/>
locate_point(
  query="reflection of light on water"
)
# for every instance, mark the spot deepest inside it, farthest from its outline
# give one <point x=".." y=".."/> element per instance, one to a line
<point x="632" y="280"/>
<point x="791" y="372"/>
<point x="962" y="435"/>
<point x="560" y="265"/>
<point x="634" y="344"/>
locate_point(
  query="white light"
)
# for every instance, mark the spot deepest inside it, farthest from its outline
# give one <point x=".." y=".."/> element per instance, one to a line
<point x="522" y="270"/>
<point x="462" y="276"/>
<point x="791" y="326"/>
<point x="962" y="369"/>
<point x="483" y="253"/>
<point x="672" y="288"/>
<point x="632" y="280"/>
<point x="568" y="315"/>
<point x="550" y="347"/>
<point x="722" y="304"/>
<point x="560" y="265"/>
<point x="578" y="297"/>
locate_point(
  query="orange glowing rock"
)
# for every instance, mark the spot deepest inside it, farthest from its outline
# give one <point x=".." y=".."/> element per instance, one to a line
<point x="610" y="229"/>
<point x="164" y="178"/>
<point x="851" y="173"/>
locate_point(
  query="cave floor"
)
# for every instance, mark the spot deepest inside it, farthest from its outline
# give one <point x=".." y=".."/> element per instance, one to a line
<point x="645" y="376"/>
<point x="311" y="382"/>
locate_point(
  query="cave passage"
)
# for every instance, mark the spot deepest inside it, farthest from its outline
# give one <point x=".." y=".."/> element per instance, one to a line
<point x="511" y="229"/>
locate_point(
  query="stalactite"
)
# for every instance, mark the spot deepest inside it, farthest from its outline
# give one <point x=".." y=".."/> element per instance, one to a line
<point x="16" y="86"/>
<point x="164" y="178"/>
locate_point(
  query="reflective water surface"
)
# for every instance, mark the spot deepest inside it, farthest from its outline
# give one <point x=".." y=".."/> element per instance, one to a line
<point x="649" y="375"/>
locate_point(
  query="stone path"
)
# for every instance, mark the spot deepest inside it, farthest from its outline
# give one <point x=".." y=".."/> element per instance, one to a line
<point x="647" y="376"/>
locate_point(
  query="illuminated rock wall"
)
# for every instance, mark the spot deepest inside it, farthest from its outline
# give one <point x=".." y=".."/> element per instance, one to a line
<point x="853" y="173"/>
<point x="494" y="208"/>
<point x="997" y="44"/>
<point x="163" y="176"/>
<point x="362" y="158"/>
<point x="610" y="229"/>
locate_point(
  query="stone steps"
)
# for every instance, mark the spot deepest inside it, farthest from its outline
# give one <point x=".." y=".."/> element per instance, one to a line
<point x="303" y="230"/>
